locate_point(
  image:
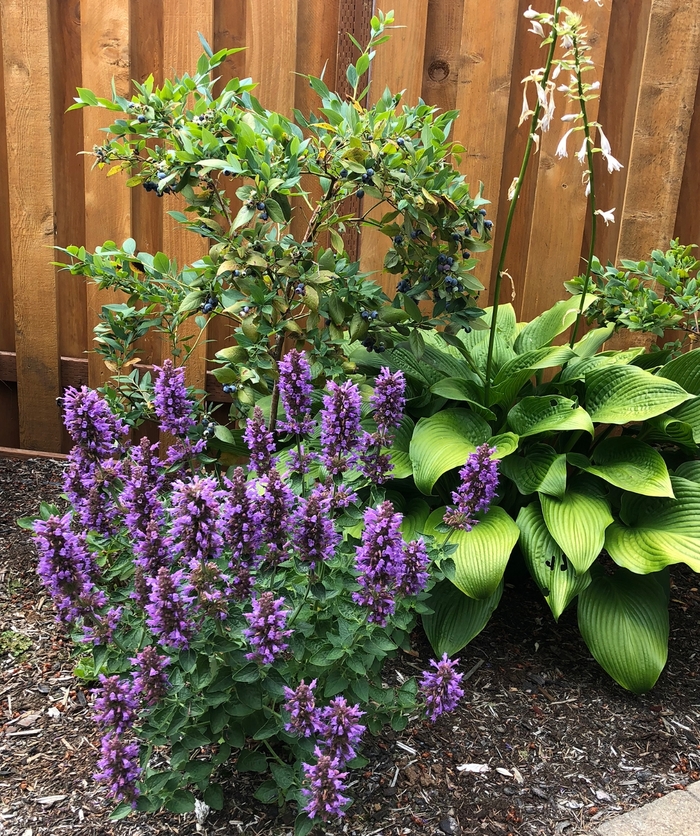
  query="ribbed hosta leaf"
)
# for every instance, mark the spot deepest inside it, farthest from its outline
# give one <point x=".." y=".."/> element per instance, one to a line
<point x="578" y="522"/>
<point x="624" y="621"/>
<point x="578" y="369"/>
<point x="689" y="470"/>
<point x="459" y="389"/>
<point x="589" y="343"/>
<point x="534" y="415"/>
<point x="629" y="464"/>
<point x="415" y="512"/>
<point x="553" y="573"/>
<point x="657" y="532"/>
<point x="513" y="376"/>
<point x="444" y="441"/>
<point x="685" y="370"/>
<point x="504" y="444"/>
<point x="544" y="328"/>
<point x="689" y="413"/>
<point x="398" y="450"/>
<point x="541" y="469"/>
<point x="619" y="394"/>
<point x="457" y="619"/>
<point x="482" y="553"/>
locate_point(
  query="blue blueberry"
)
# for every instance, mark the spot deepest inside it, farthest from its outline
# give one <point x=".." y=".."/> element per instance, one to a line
<point x="370" y="172"/>
<point x="343" y="172"/>
<point x="260" y="206"/>
<point x="398" y="239"/>
<point x="360" y="193"/>
<point x="264" y="216"/>
<point x="488" y="224"/>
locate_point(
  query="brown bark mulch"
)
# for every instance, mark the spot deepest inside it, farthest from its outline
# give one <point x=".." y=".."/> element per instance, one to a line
<point x="543" y="743"/>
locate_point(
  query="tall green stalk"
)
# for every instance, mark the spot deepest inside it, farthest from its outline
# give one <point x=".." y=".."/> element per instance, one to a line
<point x="513" y="203"/>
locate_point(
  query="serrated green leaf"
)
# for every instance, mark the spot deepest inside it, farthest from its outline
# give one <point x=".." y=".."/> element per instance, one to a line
<point x="457" y="619"/>
<point x="538" y="414"/>
<point x="541" y="469"/>
<point x="619" y="394"/>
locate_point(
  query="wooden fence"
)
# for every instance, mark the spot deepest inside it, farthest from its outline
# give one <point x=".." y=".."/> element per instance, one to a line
<point x="466" y="54"/>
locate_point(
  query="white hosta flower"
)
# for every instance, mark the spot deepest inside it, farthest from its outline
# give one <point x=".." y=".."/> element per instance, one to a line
<point x="511" y="188"/>
<point x="608" y="217"/>
<point x="530" y="14"/>
<point x="525" y="113"/>
<point x="605" y="150"/>
<point x="567" y="42"/>
<point x="561" y="148"/>
<point x="536" y="28"/>
<point x="581" y="153"/>
<point x="570" y="117"/>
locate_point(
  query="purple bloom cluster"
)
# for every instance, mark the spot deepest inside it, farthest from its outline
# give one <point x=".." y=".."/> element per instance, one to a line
<point x="150" y="680"/>
<point x="415" y="568"/>
<point x="143" y="481"/>
<point x="260" y="442"/>
<point x="441" y="687"/>
<point x="119" y="768"/>
<point x="116" y="704"/>
<point x="170" y="608"/>
<point x="315" y="538"/>
<point x="301" y="705"/>
<point x="171" y="403"/>
<point x="326" y="784"/>
<point x="272" y="502"/>
<point x="389" y="402"/>
<point x="340" y="729"/>
<point x="477" y="489"/>
<point x="266" y="632"/>
<point x="67" y="569"/>
<point x="195" y="512"/>
<point x="91" y="423"/>
<point x="213" y="589"/>
<point x="241" y="532"/>
<point x="89" y="485"/>
<point x="295" y="393"/>
<point x="340" y="426"/>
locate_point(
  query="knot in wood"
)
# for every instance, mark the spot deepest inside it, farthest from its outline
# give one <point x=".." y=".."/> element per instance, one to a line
<point x="438" y="70"/>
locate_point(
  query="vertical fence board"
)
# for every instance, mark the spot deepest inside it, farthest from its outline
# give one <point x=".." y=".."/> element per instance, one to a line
<point x="560" y="207"/>
<point x="485" y="69"/>
<point x="399" y="66"/>
<point x="442" y="52"/>
<point x="26" y="61"/>
<point x="105" y="56"/>
<point x="666" y="97"/>
<point x="687" y="226"/>
<point x="271" y="37"/>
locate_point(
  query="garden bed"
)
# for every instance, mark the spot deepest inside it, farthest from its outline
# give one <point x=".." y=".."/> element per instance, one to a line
<point x="543" y="743"/>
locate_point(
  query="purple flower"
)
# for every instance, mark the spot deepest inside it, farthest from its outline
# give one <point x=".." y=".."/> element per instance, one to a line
<point x="375" y="464"/>
<point x="213" y="589"/>
<point x="170" y="608"/>
<point x="184" y="450"/>
<point x="301" y="705"/>
<point x="266" y="632"/>
<point x="295" y="393"/>
<point x="150" y="680"/>
<point x="89" y="486"/>
<point x="273" y="501"/>
<point x="119" y="768"/>
<point x="116" y="704"/>
<point x="104" y="627"/>
<point x="315" y="538"/>
<point x="388" y="400"/>
<point x="240" y="528"/>
<point x="143" y="480"/>
<point x="415" y="568"/>
<point x="67" y="569"/>
<point x="91" y="423"/>
<point x="380" y="562"/>
<point x="194" y="535"/>
<point x="324" y="795"/>
<point x="340" y="729"/>
<point x="260" y="442"/>
<point x="151" y="551"/>
<point x="477" y="489"/>
<point x="172" y="406"/>
<point x="340" y="426"/>
<point x="441" y="687"/>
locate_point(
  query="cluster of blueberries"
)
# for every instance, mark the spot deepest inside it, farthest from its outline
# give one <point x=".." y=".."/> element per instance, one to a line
<point x="371" y="344"/>
<point x="369" y="316"/>
<point x="152" y="186"/>
<point x="210" y="304"/>
<point x="230" y="388"/>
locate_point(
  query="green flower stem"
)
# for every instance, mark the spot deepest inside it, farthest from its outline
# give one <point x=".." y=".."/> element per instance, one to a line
<point x="591" y="183"/>
<point x="274" y="754"/>
<point x="513" y="204"/>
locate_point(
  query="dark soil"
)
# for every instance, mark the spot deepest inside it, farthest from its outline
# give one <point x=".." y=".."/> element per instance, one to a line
<point x="543" y="743"/>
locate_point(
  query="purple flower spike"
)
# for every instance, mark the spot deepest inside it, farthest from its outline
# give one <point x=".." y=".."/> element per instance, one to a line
<point x="324" y="796"/>
<point x="169" y="608"/>
<point x="260" y="442"/>
<point x="150" y="680"/>
<point x="477" y="489"/>
<point x="301" y="705"/>
<point x="91" y="423"/>
<point x="273" y="501"/>
<point x="441" y="687"/>
<point x="415" y="570"/>
<point x="266" y="632"/>
<point x="142" y="483"/>
<point x="295" y="393"/>
<point x="340" y="729"/>
<point x="194" y="534"/>
<point x="119" y="768"/>
<point x="171" y="403"/>
<point x="340" y="426"/>
<point x="116" y="704"/>
<point x="388" y="400"/>
<point x="315" y="538"/>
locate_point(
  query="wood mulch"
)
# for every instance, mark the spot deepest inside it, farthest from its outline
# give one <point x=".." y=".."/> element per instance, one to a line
<point x="543" y="743"/>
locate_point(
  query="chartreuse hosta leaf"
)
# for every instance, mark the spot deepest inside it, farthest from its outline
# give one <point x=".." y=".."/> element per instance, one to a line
<point x="553" y="573"/>
<point x="578" y="521"/>
<point x="589" y="343"/>
<point x="689" y="470"/>
<point x="629" y="464"/>
<point x="444" y="441"/>
<point x="482" y="553"/>
<point x="540" y="469"/>
<point x="685" y="370"/>
<point x="538" y="414"/>
<point x="689" y="413"/>
<point x="544" y="328"/>
<point x="623" y="619"/>
<point x="513" y="376"/>
<point x="578" y="369"/>
<point x="456" y="619"/>
<point x="398" y="451"/>
<point x="656" y="532"/>
<point x="619" y="394"/>
<point x="459" y="389"/>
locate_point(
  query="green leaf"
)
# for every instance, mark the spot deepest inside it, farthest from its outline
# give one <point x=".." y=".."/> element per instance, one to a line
<point x="579" y="368"/>
<point x="545" y="327"/>
<point x="457" y="619"/>
<point x="655" y="532"/>
<point x="482" y="553"/>
<point x="630" y="464"/>
<point x="555" y="576"/>
<point x="504" y="444"/>
<point x="591" y="342"/>
<point x="214" y="796"/>
<point x="689" y="470"/>
<point x="619" y="394"/>
<point x="578" y="521"/>
<point x="192" y="301"/>
<point x="537" y="414"/>
<point x="458" y="389"/>
<point x="514" y="375"/>
<point x="688" y="413"/>
<point x="444" y="441"/>
<point x="684" y="370"/>
<point x="303" y="825"/>
<point x="541" y="469"/>
<point x="249" y="761"/>
<point x="181" y="802"/>
<point x="624" y="621"/>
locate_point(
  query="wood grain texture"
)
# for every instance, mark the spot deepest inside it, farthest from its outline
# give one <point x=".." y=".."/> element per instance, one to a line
<point x="560" y="208"/>
<point x="687" y="226"/>
<point x="26" y="54"/>
<point x="662" y="124"/>
<point x="441" y="60"/>
<point x="399" y="66"/>
<point x="271" y="38"/>
<point x="483" y="91"/>
<point x="104" y="56"/>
